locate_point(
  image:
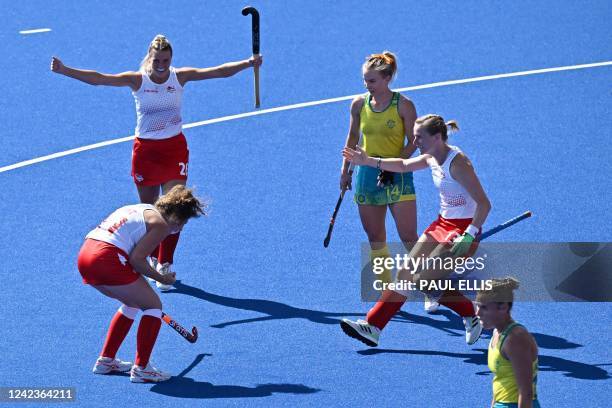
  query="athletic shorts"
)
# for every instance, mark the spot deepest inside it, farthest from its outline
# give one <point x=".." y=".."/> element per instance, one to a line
<point x="155" y="162"/>
<point x="535" y="404"/>
<point x="101" y="263"/>
<point x="368" y="193"/>
<point x="445" y="230"/>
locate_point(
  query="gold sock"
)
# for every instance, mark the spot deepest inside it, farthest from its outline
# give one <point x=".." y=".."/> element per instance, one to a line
<point x="386" y="276"/>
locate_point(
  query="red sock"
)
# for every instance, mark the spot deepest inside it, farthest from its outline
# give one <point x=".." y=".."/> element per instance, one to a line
<point x="455" y="301"/>
<point x="145" y="339"/>
<point x="119" y="328"/>
<point x="155" y="252"/>
<point x="167" y="247"/>
<point x="389" y="304"/>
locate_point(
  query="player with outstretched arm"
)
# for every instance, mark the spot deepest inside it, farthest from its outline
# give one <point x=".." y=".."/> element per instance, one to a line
<point x="464" y="207"/>
<point x="160" y="157"/>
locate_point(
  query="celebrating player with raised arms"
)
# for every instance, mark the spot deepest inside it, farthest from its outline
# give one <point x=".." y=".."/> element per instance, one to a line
<point x="464" y="206"/>
<point x="113" y="260"/>
<point x="160" y="157"/>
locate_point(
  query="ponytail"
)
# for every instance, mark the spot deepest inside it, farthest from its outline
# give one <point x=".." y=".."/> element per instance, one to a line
<point x="435" y="124"/>
<point x="385" y="63"/>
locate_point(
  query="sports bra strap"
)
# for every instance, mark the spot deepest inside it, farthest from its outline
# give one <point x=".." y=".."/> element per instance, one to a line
<point x="506" y="332"/>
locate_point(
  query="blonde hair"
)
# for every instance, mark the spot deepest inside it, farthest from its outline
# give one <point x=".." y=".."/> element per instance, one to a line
<point x="385" y="63"/>
<point x="180" y="204"/>
<point x="435" y="124"/>
<point x="501" y="291"/>
<point x="159" y="43"/>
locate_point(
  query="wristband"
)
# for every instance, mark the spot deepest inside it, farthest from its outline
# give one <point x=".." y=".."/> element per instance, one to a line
<point x="472" y="230"/>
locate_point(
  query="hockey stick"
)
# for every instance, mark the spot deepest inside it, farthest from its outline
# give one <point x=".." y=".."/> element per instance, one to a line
<point x="255" y="32"/>
<point x="504" y="225"/>
<point x="190" y="337"/>
<point x="333" y="218"/>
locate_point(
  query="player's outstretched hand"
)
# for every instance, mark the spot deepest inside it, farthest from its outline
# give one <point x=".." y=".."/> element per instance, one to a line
<point x="56" y="65"/>
<point x="256" y="60"/>
<point x="357" y="156"/>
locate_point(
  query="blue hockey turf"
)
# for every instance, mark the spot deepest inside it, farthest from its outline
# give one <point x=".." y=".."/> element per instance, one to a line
<point x="254" y="276"/>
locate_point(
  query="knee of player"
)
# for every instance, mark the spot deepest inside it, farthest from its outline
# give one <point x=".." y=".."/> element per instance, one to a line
<point x="152" y="304"/>
<point x="376" y="235"/>
<point x="158" y="304"/>
<point x="409" y="237"/>
<point x="404" y="275"/>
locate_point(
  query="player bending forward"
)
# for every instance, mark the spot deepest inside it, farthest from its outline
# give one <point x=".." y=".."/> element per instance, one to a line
<point x="113" y="260"/>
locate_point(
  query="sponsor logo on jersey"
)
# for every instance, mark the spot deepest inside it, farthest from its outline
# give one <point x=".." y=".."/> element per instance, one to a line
<point x="170" y="89"/>
<point x="138" y="177"/>
<point x="151" y="91"/>
<point x="390" y="123"/>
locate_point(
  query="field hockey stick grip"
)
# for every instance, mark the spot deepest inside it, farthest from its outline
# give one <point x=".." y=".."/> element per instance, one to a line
<point x="256" y="75"/>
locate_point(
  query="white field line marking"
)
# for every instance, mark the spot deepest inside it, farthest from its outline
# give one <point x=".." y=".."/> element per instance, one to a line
<point x="36" y="31"/>
<point x="304" y="105"/>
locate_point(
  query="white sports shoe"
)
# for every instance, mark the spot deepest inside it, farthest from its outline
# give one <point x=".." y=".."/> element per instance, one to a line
<point x="106" y="365"/>
<point x="473" y="329"/>
<point x="362" y="331"/>
<point x="431" y="305"/>
<point x="148" y="374"/>
<point x="164" y="269"/>
<point x="153" y="264"/>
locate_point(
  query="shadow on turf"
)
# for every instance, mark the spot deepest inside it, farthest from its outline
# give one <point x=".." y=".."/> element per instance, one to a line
<point x="183" y="387"/>
<point x="553" y="342"/>
<point x="273" y="310"/>
<point x="278" y="311"/>
<point x="569" y="368"/>
<point x="452" y="326"/>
